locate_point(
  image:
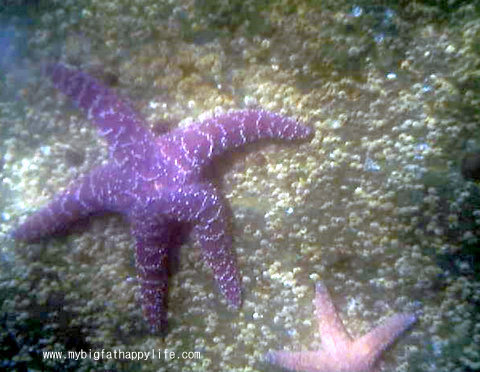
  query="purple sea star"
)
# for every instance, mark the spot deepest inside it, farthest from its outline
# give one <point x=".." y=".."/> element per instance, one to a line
<point x="340" y="353"/>
<point x="158" y="183"/>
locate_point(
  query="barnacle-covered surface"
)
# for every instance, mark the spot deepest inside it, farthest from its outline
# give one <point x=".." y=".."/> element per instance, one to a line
<point x="375" y="205"/>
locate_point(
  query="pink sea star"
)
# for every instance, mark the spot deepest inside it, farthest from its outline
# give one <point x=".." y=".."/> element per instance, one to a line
<point x="157" y="183"/>
<point x="339" y="352"/>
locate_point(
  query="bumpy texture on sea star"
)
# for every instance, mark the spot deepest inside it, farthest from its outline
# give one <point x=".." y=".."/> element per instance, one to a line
<point x="339" y="352"/>
<point x="157" y="183"/>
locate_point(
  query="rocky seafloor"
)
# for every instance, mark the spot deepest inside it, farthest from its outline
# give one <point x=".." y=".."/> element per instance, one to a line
<point x="375" y="205"/>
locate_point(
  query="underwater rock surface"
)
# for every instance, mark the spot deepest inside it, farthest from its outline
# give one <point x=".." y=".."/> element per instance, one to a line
<point x="374" y="206"/>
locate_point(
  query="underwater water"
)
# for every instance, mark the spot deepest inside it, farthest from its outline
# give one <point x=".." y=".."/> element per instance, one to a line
<point x="382" y="204"/>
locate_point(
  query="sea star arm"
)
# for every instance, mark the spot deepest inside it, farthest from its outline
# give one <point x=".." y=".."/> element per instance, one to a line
<point x="198" y="144"/>
<point x="330" y="326"/>
<point x="128" y="139"/>
<point x="295" y="361"/>
<point x="374" y="343"/>
<point x="95" y="192"/>
<point x="216" y="243"/>
<point x="151" y="257"/>
<point x="203" y="206"/>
